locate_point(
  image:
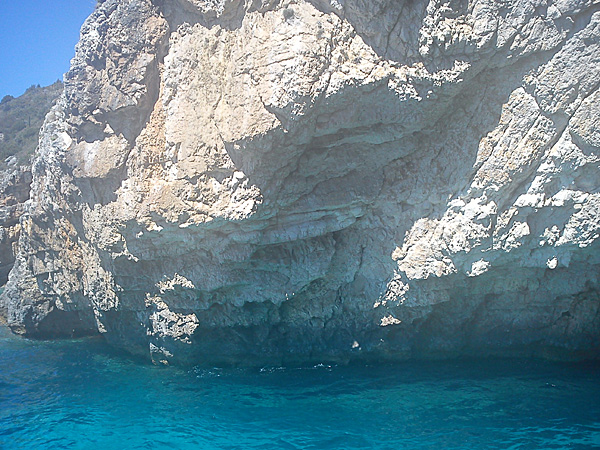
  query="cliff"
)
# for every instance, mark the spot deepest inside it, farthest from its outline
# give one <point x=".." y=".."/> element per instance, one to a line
<point x="14" y="192"/>
<point x="20" y="122"/>
<point x="249" y="181"/>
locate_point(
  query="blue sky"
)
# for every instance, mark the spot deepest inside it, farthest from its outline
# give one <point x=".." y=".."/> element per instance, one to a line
<point x="37" y="41"/>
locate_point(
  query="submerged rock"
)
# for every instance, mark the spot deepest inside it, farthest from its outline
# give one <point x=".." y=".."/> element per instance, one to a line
<point x="247" y="181"/>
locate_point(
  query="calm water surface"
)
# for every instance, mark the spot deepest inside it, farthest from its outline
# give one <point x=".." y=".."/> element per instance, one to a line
<point x="79" y="395"/>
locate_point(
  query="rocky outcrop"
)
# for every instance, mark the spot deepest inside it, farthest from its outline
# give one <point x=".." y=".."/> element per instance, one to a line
<point x="248" y="181"/>
<point x="14" y="192"/>
<point x="20" y="121"/>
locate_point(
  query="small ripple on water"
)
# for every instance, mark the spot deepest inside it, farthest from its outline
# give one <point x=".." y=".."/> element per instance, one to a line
<point x="76" y="395"/>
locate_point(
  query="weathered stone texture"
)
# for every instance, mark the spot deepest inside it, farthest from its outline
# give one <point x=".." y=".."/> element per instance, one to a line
<point x="14" y="192"/>
<point x="247" y="181"/>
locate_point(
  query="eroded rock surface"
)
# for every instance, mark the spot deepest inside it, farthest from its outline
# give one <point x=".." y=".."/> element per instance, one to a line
<point x="257" y="181"/>
<point x="14" y="192"/>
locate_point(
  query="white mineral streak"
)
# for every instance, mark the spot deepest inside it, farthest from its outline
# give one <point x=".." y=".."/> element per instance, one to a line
<point x="239" y="180"/>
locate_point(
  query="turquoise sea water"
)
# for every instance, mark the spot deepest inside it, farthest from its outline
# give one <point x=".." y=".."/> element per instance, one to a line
<point x="80" y="395"/>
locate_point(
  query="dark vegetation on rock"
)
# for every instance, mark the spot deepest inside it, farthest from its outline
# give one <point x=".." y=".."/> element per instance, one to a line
<point x="20" y="121"/>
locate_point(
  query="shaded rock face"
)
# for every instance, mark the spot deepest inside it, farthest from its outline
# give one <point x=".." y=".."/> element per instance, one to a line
<point x="271" y="181"/>
<point x="14" y="192"/>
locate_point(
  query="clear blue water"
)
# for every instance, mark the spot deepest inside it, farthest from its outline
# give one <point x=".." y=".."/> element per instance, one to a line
<point x="79" y="395"/>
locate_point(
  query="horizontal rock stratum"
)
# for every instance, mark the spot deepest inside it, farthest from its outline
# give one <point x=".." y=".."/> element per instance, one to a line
<point x="230" y="181"/>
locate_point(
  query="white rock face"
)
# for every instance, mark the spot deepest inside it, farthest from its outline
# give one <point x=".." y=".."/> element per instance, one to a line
<point x="237" y="181"/>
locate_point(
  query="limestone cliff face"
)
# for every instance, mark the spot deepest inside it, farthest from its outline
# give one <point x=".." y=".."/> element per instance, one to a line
<point x="249" y="181"/>
<point x="14" y="192"/>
